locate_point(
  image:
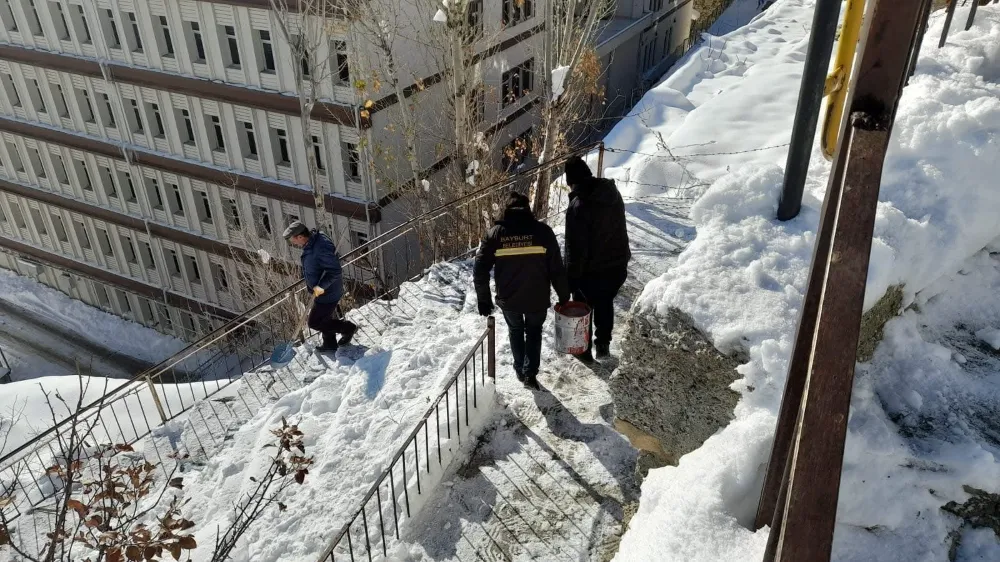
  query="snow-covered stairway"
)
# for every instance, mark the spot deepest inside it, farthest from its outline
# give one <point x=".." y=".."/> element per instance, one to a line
<point x="551" y="479"/>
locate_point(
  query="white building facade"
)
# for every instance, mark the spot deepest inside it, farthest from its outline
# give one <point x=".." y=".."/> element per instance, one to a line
<point x="141" y="139"/>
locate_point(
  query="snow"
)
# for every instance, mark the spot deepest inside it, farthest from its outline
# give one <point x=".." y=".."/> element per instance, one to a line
<point x="558" y="81"/>
<point x="922" y="409"/>
<point x="264" y="255"/>
<point x="990" y="336"/>
<point x="106" y="333"/>
<point x="441" y="17"/>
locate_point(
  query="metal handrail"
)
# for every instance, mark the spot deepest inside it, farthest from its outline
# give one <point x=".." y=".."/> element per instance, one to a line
<point x="247" y="358"/>
<point x="487" y="368"/>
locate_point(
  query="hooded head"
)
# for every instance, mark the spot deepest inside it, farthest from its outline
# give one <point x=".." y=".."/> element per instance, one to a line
<point x="577" y="172"/>
<point x="517" y="205"/>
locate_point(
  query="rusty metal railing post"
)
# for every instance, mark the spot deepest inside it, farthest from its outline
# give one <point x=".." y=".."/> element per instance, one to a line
<point x="156" y="400"/>
<point x="491" y="348"/>
<point x="600" y="160"/>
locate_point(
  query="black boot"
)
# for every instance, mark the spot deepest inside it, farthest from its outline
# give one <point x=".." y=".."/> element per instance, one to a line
<point x="603" y="350"/>
<point x="531" y="382"/>
<point x="329" y="344"/>
<point x="348" y="335"/>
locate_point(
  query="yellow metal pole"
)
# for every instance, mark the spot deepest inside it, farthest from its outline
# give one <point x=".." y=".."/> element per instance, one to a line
<point x="836" y="83"/>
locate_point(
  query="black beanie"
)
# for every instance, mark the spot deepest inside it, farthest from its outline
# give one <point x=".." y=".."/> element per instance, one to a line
<point x="577" y="171"/>
<point x="517" y="201"/>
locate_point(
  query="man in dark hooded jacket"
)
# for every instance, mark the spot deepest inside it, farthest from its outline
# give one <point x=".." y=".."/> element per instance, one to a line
<point x="525" y="255"/>
<point x="325" y="280"/>
<point x="597" y="249"/>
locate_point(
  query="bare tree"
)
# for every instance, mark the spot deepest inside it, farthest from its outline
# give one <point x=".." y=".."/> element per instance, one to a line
<point x="106" y="494"/>
<point x="569" y="75"/>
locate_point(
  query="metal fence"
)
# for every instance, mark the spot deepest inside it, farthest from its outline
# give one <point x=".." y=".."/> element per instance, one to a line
<point x="421" y="459"/>
<point x="130" y="412"/>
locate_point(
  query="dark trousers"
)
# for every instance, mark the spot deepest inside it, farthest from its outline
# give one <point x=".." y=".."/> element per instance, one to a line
<point x="324" y="319"/>
<point x="525" y="332"/>
<point x="599" y="290"/>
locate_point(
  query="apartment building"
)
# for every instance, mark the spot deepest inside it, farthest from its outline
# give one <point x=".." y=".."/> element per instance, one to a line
<point x="142" y="140"/>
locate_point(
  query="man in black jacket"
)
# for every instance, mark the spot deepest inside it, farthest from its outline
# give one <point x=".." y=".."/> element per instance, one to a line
<point x="597" y="249"/>
<point x="526" y="256"/>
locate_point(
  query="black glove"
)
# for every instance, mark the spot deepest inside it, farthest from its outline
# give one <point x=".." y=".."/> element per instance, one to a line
<point x="485" y="308"/>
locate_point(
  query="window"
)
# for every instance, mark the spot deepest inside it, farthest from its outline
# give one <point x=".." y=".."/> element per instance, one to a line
<point x="517" y="11"/>
<point x="60" y="167"/>
<point x="36" y="218"/>
<point x="282" y="140"/>
<point x="343" y="68"/>
<point x="11" y="89"/>
<point x="147" y="255"/>
<point x="517" y="82"/>
<point x="130" y="196"/>
<point x="102" y="296"/>
<point x="36" y="162"/>
<point x="299" y="46"/>
<point x="288" y="218"/>
<point x="193" y="272"/>
<point x="83" y="100"/>
<point x="111" y="30"/>
<point x="134" y="117"/>
<point x="15" y="157"/>
<point x="655" y="5"/>
<point x="667" y="42"/>
<point x="178" y="200"/>
<point x="358" y="238"/>
<point x="83" y="175"/>
<point x="231" y="48"/>
<point x="250" y="148"/>
<point x="173" y="262"/>
<point x="81" y="235"/>
<point x="262" y="221"/>
<point x="158" y="130"/>
<point x="167" y="46"/>
<point x="318" y="154"/>
<point x="60" y="227"/>
<point x="59" y="20"/>
<point x="104" y="242"/>
<point x="135" y="41"/>
<point x="475" y="16"/>
<point x="123" y="302"/>
<point x="154" y="195"/>
<point x="648" y="55"/>
<point x="7" y="15"/>
<point x="187" y="136"/>
<point x="231" y="212"/>
<point x="219" y="139"/>
<point x="130" y="255"/>
<point x="517" y="151"/>
<point x="107" y="181"/>
<point x="61" y="106"/>
<point x="3" y="217"/>
<point x="266" y="51"/>
<point x="477" y="103"/>
<point x="35" y="93"/>
<point x="221" y="280"/>
<point x="204" y="206"/>
<point x="352" y="161"/>
<point x="80" y="24"/>
<point x="30" y="12"/>
<point x="197" y="45"/>
<point x="15" y="213"/>
<point x="107" y="113"/>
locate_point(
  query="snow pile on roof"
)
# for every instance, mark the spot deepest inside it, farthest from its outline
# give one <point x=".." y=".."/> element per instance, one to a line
<point x="910" y="446"/>
<point x="97" y="326"/>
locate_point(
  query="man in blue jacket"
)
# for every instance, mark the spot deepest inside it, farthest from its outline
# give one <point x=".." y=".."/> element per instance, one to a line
<point x="325" y="280"/>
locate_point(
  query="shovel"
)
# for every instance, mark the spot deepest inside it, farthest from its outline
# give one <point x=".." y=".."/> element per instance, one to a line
<point x="284" y="352"/>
